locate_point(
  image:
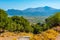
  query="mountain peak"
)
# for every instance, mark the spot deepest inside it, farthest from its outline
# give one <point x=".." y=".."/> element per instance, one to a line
<point x="47" y="7"/>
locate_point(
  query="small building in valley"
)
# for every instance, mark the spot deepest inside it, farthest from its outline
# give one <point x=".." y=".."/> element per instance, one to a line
<point x="24" y="38"/>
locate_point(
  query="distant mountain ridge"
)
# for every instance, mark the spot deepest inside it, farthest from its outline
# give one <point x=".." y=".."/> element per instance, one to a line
<point x="39" y="11"/>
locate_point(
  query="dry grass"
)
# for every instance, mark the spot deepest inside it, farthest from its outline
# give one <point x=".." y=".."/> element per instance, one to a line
<point x="47" y="35"/>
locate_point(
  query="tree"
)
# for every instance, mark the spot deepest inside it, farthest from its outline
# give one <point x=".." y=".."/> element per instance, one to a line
<point x="37" y="29"/>
<point x="3" y="18"/>
<point x="22" y="24"/>
<point x="53" y="20"/>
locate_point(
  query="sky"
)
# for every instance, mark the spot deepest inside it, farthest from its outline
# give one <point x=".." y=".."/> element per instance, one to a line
<point x="24" y="4"/>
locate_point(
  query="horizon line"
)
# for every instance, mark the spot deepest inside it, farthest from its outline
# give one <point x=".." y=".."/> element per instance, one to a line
<point x="30" y="7"/>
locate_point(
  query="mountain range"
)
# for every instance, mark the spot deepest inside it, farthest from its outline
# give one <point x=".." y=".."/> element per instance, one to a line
<point x="39" y="11"/>
<point x="34" y="15"/>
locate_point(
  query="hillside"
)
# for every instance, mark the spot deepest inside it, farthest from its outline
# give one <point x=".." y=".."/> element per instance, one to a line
<point x="37" y="19"/>
<point x="15" y="26"/>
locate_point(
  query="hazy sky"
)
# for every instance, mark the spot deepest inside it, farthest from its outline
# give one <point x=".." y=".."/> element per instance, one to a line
<point x="23" y="4"/>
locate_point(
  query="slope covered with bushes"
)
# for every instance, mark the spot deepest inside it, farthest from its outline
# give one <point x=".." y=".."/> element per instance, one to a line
<point x="20" y="24"/>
